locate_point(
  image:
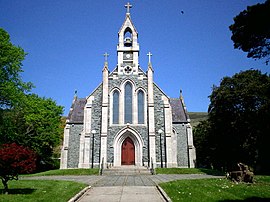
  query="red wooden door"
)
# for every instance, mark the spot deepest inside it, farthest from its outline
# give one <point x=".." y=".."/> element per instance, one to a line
<point x="128" y="152"/>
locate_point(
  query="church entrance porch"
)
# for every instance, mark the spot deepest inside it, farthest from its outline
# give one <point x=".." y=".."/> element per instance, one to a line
<point x="128" y="152"/>
<point x="128" y="146"/>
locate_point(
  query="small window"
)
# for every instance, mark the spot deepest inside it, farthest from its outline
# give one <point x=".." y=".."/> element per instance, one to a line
<point x="140" y="107"/>
<point x="115" y="107"/>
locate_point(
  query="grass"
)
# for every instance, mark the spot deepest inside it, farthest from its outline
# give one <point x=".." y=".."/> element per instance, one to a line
<point x="93" y="171"/>
<point x="218" y="190"/>
<point x="187" y="171"/>
<point x="37" y="190"/>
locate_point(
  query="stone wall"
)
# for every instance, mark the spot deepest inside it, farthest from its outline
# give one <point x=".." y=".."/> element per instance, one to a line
<point x="139" y="83"/>
<point x="96" y="124"/>
<point x="159" y="124"/>
<point x="74" y="145"/>
<point x="182" y="147"/>
<point x="114" y="129"/>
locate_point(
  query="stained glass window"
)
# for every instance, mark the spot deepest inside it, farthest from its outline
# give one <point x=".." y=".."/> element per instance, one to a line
<point x="115" y="107"/>
<point x="128" y="103"/>
<point x="140" y="107"/>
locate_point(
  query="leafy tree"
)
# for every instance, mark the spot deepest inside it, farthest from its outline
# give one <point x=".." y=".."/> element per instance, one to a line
<point x="238" y="126"/>
<point x="239" y="117"/>
<point x="42" y="118"/>
<point x="14" y="160"/>
<point x="37" y="124"/>
<point x="251" y="31"/>
<point x="11" y="84"/>
<point x="201" y="137"/>
<point x="26" y="119"/>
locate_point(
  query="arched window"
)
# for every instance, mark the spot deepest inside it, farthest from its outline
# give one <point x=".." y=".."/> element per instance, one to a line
<point x="128" y="103"/>
<point x="140" y="107"/>
<point x="115" y="107"/>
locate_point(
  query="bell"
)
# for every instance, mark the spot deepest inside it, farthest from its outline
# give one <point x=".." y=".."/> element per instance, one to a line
<point x="128" y="42"/>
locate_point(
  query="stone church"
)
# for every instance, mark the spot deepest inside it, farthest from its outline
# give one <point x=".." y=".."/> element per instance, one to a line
<point x="128" y="119"/>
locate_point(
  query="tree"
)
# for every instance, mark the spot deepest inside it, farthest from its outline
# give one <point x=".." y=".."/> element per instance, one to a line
<point x="11" y="84"/>
<point x="251" y="31"/>
<point x="42" y="126"/>
<point x="35" y="123"/>
<point x="26" y="119"/>
<point x="14" y="160"/>
<point x="238" y="125"/>
<point x="201" y="135"/>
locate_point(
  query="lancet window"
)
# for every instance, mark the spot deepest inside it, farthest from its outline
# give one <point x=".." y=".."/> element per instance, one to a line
<point x="140" y="107"/>
<point x="128" y="103"/>
<point x="115" y="107"/>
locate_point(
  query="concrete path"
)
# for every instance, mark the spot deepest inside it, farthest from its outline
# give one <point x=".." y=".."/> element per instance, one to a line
<point x="122" y="194"/>
<point x="124" y="180"/>
<point x="122" y="188"/>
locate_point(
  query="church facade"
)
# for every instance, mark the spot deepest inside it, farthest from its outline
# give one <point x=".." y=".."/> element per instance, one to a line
<point x="128" y="119"/>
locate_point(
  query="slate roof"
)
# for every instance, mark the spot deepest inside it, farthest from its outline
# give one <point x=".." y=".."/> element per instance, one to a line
<point x="76" y="112"/>
<point x="179" y="114"/>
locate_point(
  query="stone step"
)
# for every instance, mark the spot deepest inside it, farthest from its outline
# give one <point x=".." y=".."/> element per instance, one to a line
<point x="127" y="170"/>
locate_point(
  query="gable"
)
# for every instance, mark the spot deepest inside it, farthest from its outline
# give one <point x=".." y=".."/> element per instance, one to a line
<point x="76" y="113"/>
<point x="127" y="23"/>
<point x="179" y="114"/>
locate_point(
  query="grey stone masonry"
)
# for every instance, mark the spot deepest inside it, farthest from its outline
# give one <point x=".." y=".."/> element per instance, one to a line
<point x="159" y="124"/>
<point x="128" y="119"/>
<point x="96" y="125"/>
<point x="139" y="83"/>
<point x="113" y="130"/>
<point x="74" y="145"/>
<point x="182" y="147"/>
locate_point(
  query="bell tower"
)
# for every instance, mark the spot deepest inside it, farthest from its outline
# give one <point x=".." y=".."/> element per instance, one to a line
<point x="128" y="47"/>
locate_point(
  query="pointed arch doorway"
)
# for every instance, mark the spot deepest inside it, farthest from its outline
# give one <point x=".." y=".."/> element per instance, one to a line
<point x="128" y="152"/>
<point x="133" y="140"/>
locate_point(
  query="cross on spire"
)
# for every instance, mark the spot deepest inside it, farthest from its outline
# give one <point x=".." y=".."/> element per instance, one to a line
<point x="128" y="6"/>
<point x="106" y="55"/>
<point x="149" y="57"/>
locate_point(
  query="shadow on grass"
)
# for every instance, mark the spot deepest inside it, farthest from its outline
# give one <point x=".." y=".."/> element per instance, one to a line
<point x="252" y="199"/>
<point x="18" y="191"/>
<point x="211" y="172"/>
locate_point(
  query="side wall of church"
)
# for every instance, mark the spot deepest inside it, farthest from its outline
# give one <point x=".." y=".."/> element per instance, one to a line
<point x="159" y="124"/>
<point x="74" y="145"/>
<point x="96" y="124"/>
<point x="182" y="144"/>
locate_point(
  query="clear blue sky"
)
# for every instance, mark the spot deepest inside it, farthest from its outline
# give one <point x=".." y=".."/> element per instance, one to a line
<point x="65" y="41"/>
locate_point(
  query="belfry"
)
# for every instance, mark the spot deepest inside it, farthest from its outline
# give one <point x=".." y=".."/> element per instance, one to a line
<point x="128" y="119"/>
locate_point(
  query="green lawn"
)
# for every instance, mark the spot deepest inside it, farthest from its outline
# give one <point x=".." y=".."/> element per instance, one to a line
<point x="40" y="190"/>
<point x="218" y="190"/>
<point x="93" y="171"/>
<point x="188" y="171"/>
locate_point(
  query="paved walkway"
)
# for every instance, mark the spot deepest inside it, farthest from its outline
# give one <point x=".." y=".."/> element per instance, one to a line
<point x="122" y="194"/>
<point x="125" y="180"/>
<point x="122" y="188"/>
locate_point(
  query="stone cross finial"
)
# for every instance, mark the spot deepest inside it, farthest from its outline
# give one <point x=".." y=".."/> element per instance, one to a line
<point x="106" y="55"/>
<point x="128" y="6"/>
<point x="181" y="95"/>
<point x="75" y="93"/>
<point x="149" y="57"/>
